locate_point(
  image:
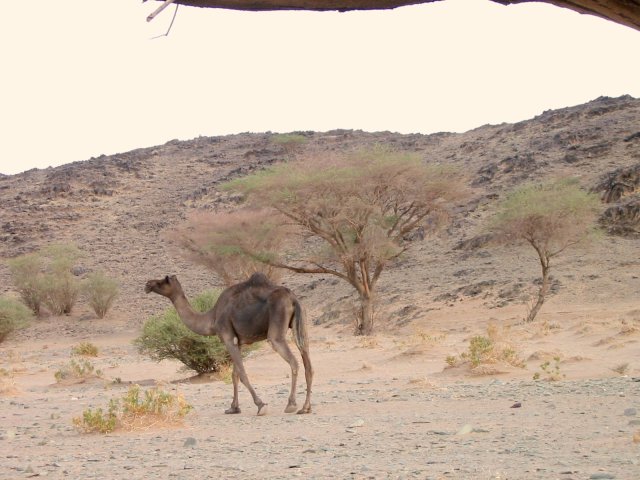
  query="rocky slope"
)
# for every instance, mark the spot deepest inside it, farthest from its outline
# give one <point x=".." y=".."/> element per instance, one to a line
<point x="119" y="208"/>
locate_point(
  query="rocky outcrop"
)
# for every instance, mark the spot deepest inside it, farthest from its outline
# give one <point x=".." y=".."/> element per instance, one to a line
<point x="620" y="188"/>
<point x="625" y="12"/>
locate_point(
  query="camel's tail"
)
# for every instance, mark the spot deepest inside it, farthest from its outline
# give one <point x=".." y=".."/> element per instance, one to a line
<point x="299" y="327"/>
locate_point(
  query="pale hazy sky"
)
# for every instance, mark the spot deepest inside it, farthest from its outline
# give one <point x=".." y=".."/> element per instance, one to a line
<point x="81" y="78"/>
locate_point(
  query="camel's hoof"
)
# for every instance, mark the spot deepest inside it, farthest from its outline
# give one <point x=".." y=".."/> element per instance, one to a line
<point x="263" y="409"/>
<point x="304" y="410"/>
<point x="232" y="410"/>
<point x="291" y="408"/>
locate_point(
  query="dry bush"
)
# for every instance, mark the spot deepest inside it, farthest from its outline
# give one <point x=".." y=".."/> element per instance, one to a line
<point x="488" y="349"/>
<point x="7" y="383"/>
<point x="85" y="349"/>
<point x="77" y="371"/>
<point x="234" y="245"/>
<point x="622" y="368"/>
<point x="136" y="410"/>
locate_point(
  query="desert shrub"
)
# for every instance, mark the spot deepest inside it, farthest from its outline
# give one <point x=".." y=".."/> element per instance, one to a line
<point x="487" y="349"/>
<point x="85" y="349"/>
<point x="27" y="276"/>
<point x="100" y="292"/>
<point x="479" y="349"/>
<point x="290" y="142"/>
<point x="134" y="410"/>
<point x="77" y="370"/>
<point x="7" y="383"/>
<point x="550" y="371"/>
<point x="622" y="368"/>
<point x="61" y="287"/>
<point x="164" y="336"/>
<point x="45" y="278"/>
<point x="13" y="315"/>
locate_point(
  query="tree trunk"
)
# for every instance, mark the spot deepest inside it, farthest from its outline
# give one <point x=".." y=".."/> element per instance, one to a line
<point x="364" y="318"/>
<point x="544" y="289"/>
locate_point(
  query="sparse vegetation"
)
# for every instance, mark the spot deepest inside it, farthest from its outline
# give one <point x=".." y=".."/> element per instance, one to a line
<point x="166" y="337"/>
<point x="492" y="348"/>
<point x="77" y="370"/>
<point x="45" y="278"/>
<point x="7" y="383"/>
<point x="550" y="217"/>
<point x="357" y="211"/>
<point x="13" y="315"/>
<point x="291" y="142"/>
<point x="622" y="368"/>
<point x="451" y="360"/>
<point x="85" y="349"/>
<point x="234" y="245"/>
<point x="550" y="371"/>
<point x="153" y="408"/>
<point x="100" y="291"/>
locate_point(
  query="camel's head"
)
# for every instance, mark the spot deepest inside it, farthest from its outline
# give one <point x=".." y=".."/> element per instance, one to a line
<point x="166" y="286"/>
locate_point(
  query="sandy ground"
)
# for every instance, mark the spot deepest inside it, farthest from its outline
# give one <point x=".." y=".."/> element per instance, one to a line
<point x="383" y="407"/>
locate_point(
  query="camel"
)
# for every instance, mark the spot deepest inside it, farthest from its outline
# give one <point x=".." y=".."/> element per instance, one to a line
<point x="245" y="313"/>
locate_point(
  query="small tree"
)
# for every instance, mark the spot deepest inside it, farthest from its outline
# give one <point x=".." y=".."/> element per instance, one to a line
<point x="222" y="241"/>
<point x="166" y="337"/>
<point x="361" y="208"/>
<point x="550" y="217"/>
<point x="13" y="315"/>
<point x="100" y="291"/>
<point x="292" y="143"/>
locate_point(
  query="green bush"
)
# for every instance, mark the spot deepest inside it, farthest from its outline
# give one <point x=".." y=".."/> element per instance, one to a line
<point x="13" y="315"/>
<point x="166" y="337"/>
<point x="27" y="275"/>
<point x="45" y="278"/>
<point x="61" y="287"/>
<point x="100" y="291"/>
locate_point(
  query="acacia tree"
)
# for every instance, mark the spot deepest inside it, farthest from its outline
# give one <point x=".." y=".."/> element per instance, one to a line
<point x="233" y="244"/>
<point x="550" y="217"/>
<point x="360" y="208"/>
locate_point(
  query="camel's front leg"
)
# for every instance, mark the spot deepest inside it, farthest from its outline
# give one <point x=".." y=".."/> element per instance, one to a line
<point x="238" y="367"/>
<point x="235" y="405"/>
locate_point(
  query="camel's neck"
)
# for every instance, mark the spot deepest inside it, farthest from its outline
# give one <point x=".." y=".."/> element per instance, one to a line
<point x="200" y="323"/>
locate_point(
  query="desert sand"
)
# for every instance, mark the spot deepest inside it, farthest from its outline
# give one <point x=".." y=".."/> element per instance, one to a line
<point x="386" y="406"/>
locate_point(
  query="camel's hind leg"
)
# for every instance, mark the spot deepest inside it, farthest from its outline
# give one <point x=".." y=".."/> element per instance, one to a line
<point x="280" y="345"/>
<point x="308" y="374"/>
<point x="238" y="366"/>
<point x="235" y="404"/>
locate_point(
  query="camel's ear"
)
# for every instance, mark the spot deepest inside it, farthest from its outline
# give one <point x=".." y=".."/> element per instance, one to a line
<point x="166" y="278"/>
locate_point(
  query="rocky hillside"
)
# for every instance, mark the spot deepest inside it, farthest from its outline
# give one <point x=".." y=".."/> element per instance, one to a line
<point x="118" y="209"/>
